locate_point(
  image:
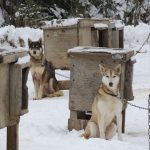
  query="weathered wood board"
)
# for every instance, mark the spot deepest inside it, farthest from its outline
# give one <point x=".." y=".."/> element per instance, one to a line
<point x="57" y="42"/>
<point x="18" y="90"/>
<point x="4" y="95"/>
<point x="7" y="56"/>
<point x="13" y="137"/>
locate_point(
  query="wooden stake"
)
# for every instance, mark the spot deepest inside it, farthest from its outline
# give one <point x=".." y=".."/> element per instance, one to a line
<point x="12" y="137"/>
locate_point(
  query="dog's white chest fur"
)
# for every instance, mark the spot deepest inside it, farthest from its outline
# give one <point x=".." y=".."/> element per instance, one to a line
<point x="109" y="107"/>
<point x="38" y="70"/>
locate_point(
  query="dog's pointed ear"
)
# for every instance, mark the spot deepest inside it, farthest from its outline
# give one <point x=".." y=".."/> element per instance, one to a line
<point x="40" y="41"/>
<point x="29" y="42"/>
<point x="118" y="69"/>
<point x="102" y="69"/>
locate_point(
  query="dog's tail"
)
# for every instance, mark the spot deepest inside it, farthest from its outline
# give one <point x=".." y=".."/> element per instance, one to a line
<point x="56" y="94"/>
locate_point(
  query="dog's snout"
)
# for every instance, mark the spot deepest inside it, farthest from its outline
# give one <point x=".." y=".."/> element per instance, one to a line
<point x="34" y="52"/>
<point x="110" y="84"/>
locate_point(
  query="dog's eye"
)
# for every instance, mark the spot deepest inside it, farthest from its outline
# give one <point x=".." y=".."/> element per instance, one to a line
<point x="114" y="76"/>
<point x="107" y="76"/>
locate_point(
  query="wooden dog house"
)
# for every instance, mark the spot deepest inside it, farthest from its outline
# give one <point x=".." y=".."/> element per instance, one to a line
<point x="86" y="32"/>
<point x="85" y="79"/>
<point x="13" y="93"/>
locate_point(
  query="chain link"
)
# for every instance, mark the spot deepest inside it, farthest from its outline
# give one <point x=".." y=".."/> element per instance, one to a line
<point x="136" y="105"/>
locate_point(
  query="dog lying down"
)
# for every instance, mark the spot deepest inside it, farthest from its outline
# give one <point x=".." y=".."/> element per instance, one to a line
<point x="43" y="72"/>
<point x="106" y="107"/>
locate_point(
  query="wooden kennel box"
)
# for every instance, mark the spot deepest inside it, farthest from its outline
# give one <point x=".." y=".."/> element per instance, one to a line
<point x="85" y="79"/>
<point x="13" y="93"/>
<point x="57" y="40"/>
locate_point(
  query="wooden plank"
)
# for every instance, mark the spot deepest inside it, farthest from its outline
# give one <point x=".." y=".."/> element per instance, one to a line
<point x="77" y="124"/>
<point x="73" y="114"/>
<point x="4" y="95"/>
<point x="122" y="90"/>
<point x="18" y="90"/>
<point x="13" y="56"/>
<point x="94" y="37"/>
<point x="85" y="36"/>
<point x="128" y="94"/>
<point x="115" y="53"/>
<point x="15" y="90"/>
<point x="123" y="120"/>
<point x="13" y="137"/>
<point x="110" y="37"/>
<point x="57" y="42"/>
<point x="115" y="38"/>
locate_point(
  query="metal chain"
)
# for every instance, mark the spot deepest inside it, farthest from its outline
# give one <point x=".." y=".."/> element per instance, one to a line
<point x="135" y="105"/>
<point x="146" y="40"/>
<point x="62" y="75"/>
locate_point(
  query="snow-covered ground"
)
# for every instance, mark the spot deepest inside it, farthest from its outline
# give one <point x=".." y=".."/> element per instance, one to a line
<point x="45" y="126"/>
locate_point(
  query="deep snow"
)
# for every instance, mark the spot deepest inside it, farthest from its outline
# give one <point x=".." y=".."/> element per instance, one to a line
<point x="45" y="126"/>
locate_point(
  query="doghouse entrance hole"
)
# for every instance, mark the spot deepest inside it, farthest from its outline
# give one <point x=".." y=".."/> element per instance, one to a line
<point x="103" y="38"/>
<point x="84" y="115"/>
<point x="121" y="39"/>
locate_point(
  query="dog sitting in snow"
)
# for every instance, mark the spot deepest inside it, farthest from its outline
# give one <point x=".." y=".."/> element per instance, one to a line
<point x="106" y="107"/>
<point x="43" y="72"/>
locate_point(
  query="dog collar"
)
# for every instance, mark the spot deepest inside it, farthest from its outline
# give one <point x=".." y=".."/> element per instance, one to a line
<point x="111" y="94"/>
<point x="106" y="90"/>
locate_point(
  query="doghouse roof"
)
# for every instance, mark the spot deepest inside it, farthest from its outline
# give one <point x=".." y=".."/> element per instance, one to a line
<point x="8" y="56"/>
<point x="117" y="53"/>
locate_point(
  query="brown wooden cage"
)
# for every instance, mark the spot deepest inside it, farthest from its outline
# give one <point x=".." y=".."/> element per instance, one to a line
<point x="13" y="93"/>
<point x="86" y="78"/>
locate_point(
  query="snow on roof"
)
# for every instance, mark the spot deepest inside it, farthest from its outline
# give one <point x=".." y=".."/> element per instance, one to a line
<point x="61" y="22"/>
<point x="119" y="24"/>
<point x="100" y="25"/>
<point x="98" y="49"/>
<point x="23" y="60"/>
<point x="11" y="51"/>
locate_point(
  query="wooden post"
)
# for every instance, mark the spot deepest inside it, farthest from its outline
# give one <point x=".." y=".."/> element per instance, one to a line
<point x="12" y="137"/>
<point x="123" y="120"/>
<point x="122" y="96"/>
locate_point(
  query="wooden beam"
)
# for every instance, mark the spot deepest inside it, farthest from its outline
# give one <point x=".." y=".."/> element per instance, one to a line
<point x="13" y="137"/>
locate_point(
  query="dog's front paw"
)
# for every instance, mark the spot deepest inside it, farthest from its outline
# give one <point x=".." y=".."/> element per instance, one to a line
<point x="120" y="139"/>
<point x="36" y="98"/>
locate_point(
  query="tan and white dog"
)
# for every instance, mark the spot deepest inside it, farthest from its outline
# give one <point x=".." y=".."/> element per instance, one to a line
<point x="43" y="72"/>
<point x="106" y="107"/>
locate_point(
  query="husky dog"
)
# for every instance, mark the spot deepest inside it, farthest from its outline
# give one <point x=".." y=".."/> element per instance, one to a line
<point x="43" y="72"/>
<point x="106" y="107"/>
